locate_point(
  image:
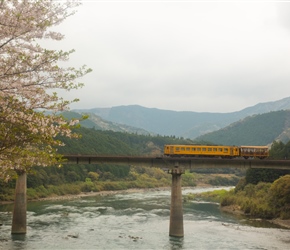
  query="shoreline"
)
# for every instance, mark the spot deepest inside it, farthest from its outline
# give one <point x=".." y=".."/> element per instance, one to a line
<point x="90" y="194"/>
<point x="234" y="209"/>
<point x="100" y="193"/>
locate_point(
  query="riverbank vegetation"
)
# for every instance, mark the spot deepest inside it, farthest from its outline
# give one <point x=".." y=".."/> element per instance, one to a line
<point x="265" y="199"/>
<point x="261" y="193"/>
<point x="76" y="179"/>
<point x="212" y="196"/>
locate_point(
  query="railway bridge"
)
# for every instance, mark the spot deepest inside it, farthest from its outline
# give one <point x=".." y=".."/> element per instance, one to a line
<point x="175" y="165"/>
<point x="183" y="162"/>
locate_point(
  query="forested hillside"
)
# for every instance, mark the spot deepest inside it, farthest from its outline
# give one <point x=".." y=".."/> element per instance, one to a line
<point x="254" y="130"/>
<point x="95" y="141"/>
<point x="98" y="123"/>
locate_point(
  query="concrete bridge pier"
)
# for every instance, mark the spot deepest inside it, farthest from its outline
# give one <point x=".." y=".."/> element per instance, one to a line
<point x="176" y="211"/>
<point x="20" y="205"/>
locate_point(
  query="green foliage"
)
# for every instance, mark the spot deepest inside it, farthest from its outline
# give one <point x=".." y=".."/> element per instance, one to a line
<point x="279" y="150"/>
<point x="280" y="195"/>
<point x="88" y="186"/>
<point x="216" y="195"/>
<point x="93" y="176"/>
<point x="75" y="173"/>
<point x="51" y="190"/>
<point x="254" y="130"/>
<point x="188" y="179"/>
<point x="224" y="181"/>
<point x="228" y="200"/>
<point x="116" y="143"/>
<point x="88" y="180"/>
<point x="7" y="193"/>
<point x="263" y="200"/>
<point x="241" y="184"/>
<point x="255" y="176"/>
<point x="235" y="171"/>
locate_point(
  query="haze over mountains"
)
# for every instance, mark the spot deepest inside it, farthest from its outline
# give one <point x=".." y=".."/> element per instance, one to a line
<point x="173" y="123"/>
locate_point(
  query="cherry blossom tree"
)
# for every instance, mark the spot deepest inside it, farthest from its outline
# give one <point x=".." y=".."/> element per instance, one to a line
<point x="30" y="76"/>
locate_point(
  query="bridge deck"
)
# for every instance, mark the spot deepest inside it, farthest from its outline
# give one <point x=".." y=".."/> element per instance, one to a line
<point x="184" y="162"/>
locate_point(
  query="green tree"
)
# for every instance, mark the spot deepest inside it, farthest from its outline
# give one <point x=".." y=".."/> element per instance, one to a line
<point x="280" y="192"/>
<point x="254" y="176"/>
<point x="278" y="150"/>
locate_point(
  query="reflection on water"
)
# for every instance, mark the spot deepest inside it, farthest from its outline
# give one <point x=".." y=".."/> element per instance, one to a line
<point x="175" y="243"/>
<point x="135" y="221"/>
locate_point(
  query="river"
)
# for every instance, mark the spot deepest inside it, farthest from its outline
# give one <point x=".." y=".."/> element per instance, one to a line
<point x="136" y="221"/>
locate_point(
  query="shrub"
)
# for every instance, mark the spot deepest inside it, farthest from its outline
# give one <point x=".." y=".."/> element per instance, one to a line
<point x="87" y="187"/>
<point x="31" y="194"/>
<point x="188" y="179"/>
<point x="93" y="176"/>
<point x="228" y="200"/>
<point x="241" y="184"/>
<point x="42" y="192"/>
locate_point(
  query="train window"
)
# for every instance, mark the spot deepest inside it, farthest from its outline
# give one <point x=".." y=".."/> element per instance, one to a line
<point x="182" y="149"/>
<point x="177" y="148"/>
<point x="220" y="150"/>
<point x="226" y="150"/>
<point x="193" y="149"/>
<point x="198" y="149"/>
<point x="187" y="149"/>
<point x="203" y="149"/>
<point x="209" y="149"/>
<point x="215" y="149"/>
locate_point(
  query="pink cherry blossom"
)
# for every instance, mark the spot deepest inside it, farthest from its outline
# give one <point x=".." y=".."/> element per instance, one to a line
<point x="29" y="78"/>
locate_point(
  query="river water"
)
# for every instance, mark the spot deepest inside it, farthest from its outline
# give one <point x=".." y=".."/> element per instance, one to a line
<point x="136" y="221"/>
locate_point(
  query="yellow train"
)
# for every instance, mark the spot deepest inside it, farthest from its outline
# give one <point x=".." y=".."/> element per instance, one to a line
<point x="246" y="152"/>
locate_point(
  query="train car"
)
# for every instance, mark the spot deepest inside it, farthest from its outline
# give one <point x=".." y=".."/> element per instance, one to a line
<point x="260" y="152"/>
<point x="201" y="151"/>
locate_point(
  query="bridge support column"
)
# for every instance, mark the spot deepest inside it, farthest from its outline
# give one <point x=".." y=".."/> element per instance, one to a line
<point x="20" y="205"/>
<point x="176" y="212"/>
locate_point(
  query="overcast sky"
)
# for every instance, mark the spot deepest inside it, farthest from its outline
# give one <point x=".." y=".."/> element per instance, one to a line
<point x="204" y="56"/>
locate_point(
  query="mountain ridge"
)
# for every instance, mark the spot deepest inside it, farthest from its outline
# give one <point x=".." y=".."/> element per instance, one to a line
<point x="261" y="129"/>
<point x="188" y="124"/>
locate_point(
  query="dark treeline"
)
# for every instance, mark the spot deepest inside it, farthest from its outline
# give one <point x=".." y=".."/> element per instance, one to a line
<point x="74" y="173"/>
<point x="117" y="143"/>
<point x="280" y="150"/>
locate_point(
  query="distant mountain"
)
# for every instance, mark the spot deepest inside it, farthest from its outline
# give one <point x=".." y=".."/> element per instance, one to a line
<point x="98" y="123"/>
<point x="180" y="123"/>
<point x="260" y="129"/>
<point x="267" y="107"/>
